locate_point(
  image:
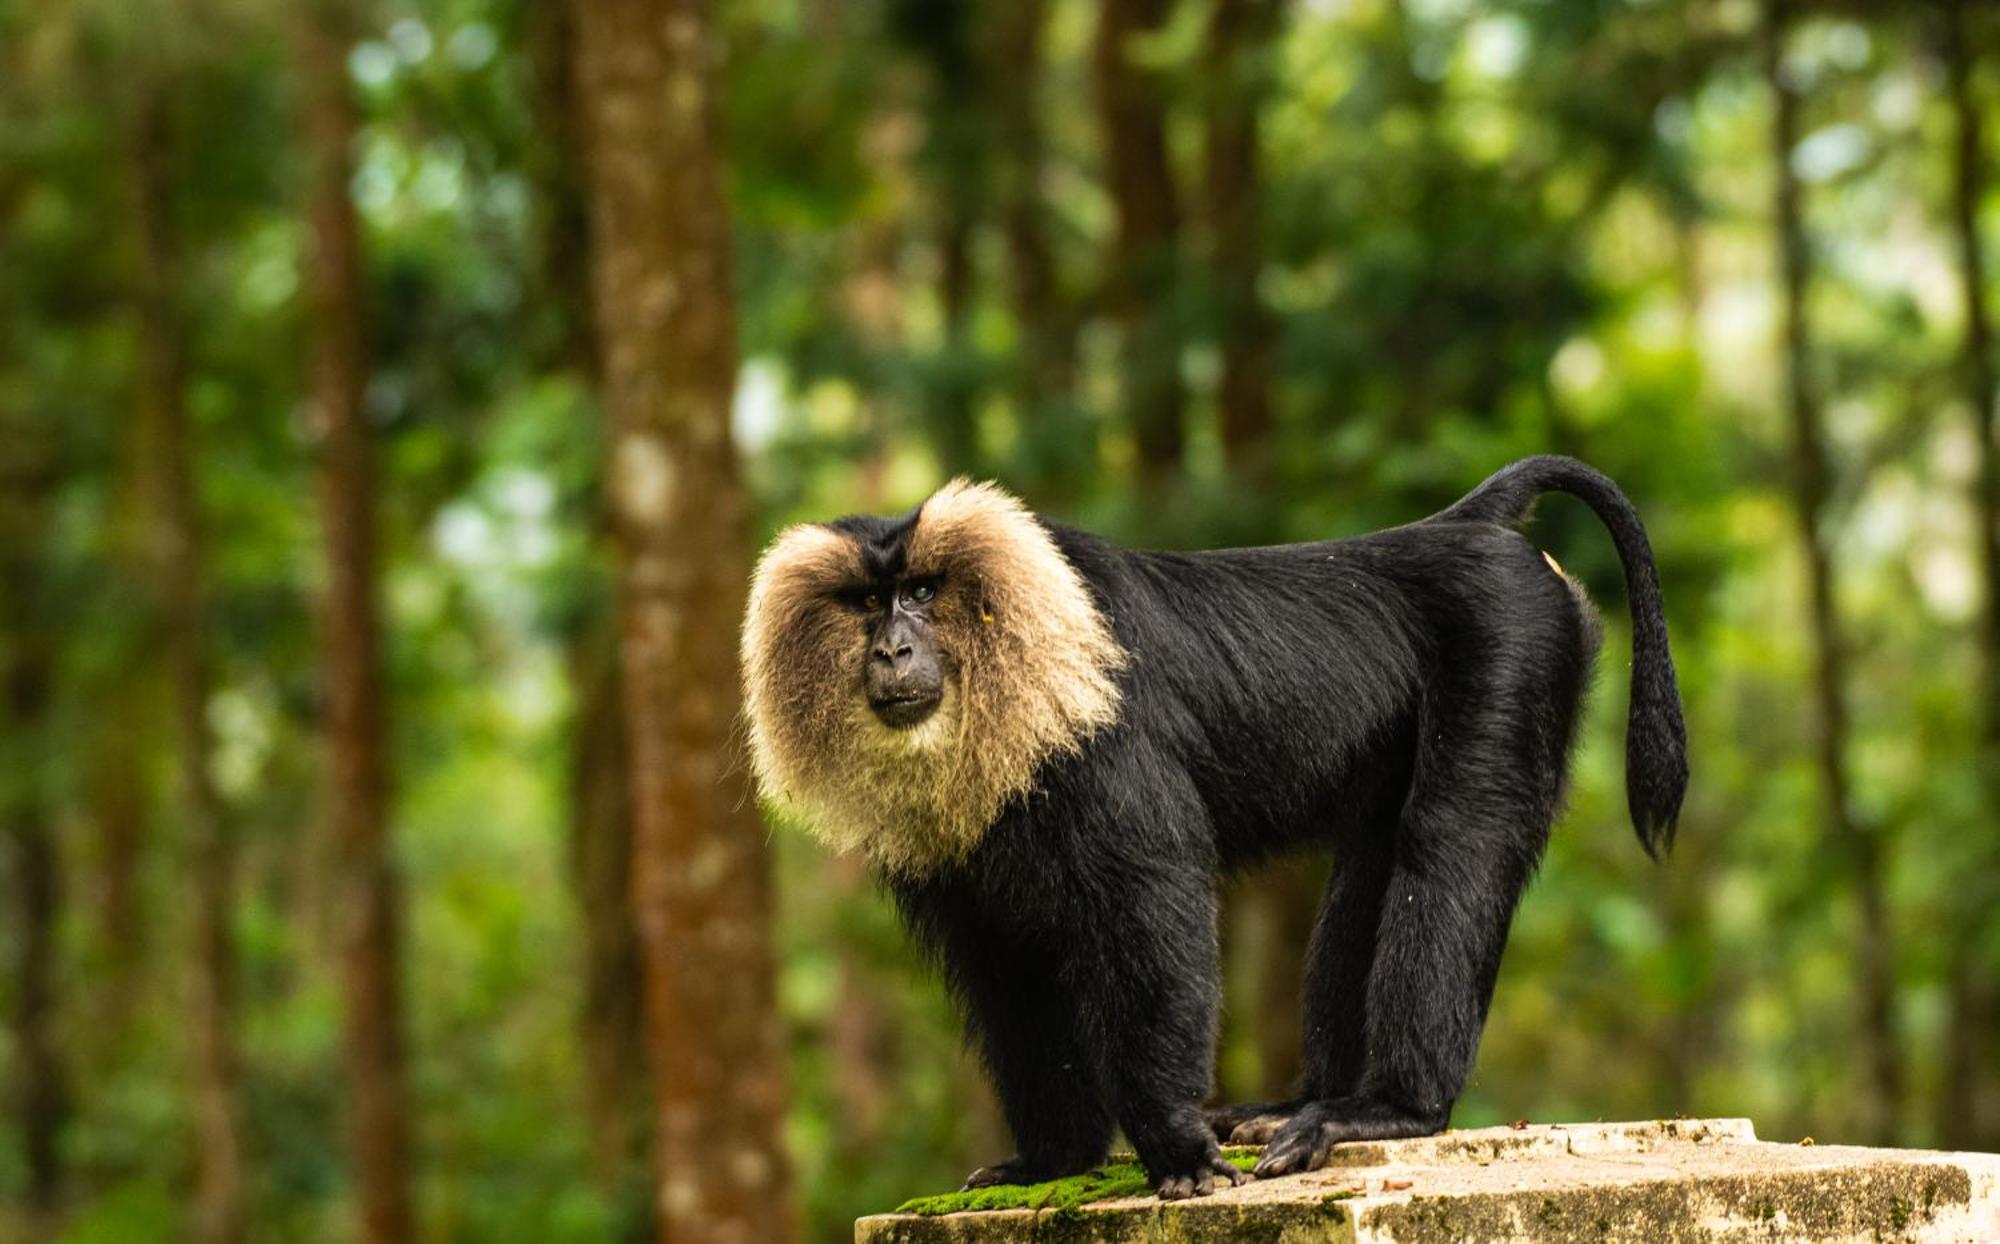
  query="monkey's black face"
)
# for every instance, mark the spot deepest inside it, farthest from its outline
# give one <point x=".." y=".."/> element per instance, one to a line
<point x="903" y="666"/>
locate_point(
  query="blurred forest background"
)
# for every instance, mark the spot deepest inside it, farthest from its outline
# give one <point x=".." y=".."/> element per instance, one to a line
<point x="328" y="782"/>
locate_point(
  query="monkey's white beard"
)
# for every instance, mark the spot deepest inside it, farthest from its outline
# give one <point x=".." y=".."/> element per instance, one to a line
<point x="937" y="731"/>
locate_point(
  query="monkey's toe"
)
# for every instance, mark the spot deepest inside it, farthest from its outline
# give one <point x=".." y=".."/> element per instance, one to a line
<point x="1180" y="1188"/>
<point x="1302" y="1144"/>
<point x="1011" y="1171"/>
<point x="1202" y="1182"/>
<point x="1230" y="1174"/>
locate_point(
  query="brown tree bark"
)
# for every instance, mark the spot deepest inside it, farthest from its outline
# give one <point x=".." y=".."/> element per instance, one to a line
<point x="601" y="868"/>
<point x="953" y="393"/>
<point x="600" y="797"/>
<point x="701" y="875"/>
<point x="41" y="1103"/>
<point x="1145" y="257"/>
<point x="955" y="166"/>
<point x="1045" y="375"/>
<point x="1812" y="485"/>
<point x="118" y="813"/>
<point x="1238" y="56"/>
<point x="366" y="895"/>
<point x="181" y="575"/>
<point x="37" y="1096"/>
<point x="120" y="807"/>
<point x="557" y="168"/>
<point x="1971" y="1048"/>
<point x="871" y="296"/>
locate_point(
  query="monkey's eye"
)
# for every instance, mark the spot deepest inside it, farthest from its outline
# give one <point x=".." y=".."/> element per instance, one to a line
<point x="872" y="601"/>
<point x="922" y="593"/>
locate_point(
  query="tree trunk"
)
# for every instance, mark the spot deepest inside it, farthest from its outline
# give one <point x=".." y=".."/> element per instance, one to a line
<point x="872" y="293"/>
<point x="1856" y="843"/>
<point x="557" y="165"/>
<point x="610" y="1023"/>
<point x="700" y="872"/>
<point x="180" y="567"/>
<point x="1142" y="283"/>
<point x="1045" y="371"/>
<point x="952" y="389"/>
<point x="118" y="813"/>
<point x="122" y="738"/>
<point x="1970" y="1043"/>
<point x="1240" y="34"/>
<point x="956" y="154"/>
<point x="43" y="1100"/>
<point x="365" y="877"/>
<point x="601" y="866"/>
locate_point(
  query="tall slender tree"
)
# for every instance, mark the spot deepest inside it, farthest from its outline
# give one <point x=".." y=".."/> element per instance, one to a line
<point x="1144" y="264"/>
<point x="1238" y="62"/>
<point x="1974" y="999"/>
<point x="660" y="244"/>
<point x="1857" y="844"/>
<point x="357" y="774"/>
<point x="954" y="162"/>
<point x="600" y="796"/>
<point x="181" y="572"/>
<point x="1046" y="324"/>
<point x="40" y="1100"/>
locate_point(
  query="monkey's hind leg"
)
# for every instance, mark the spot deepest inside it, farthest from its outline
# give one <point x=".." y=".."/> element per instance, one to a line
<point x="1334" y="992"/>
<point x="1469" y="842"/>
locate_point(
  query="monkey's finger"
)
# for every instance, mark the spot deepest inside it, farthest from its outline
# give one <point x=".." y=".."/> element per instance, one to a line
<point x="1297" y="1149"/>
<point x="1232" y="1174"/>
<point x="1176" y="1188"/>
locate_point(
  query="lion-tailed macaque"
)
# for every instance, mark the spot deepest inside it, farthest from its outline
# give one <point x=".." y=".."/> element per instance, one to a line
<point x="1048" y="747"/>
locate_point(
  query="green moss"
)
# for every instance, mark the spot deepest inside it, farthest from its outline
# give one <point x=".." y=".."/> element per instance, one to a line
<point x="1107" y="1183"/>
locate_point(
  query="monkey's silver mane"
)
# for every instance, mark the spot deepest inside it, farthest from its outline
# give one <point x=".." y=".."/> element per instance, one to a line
<point x="1035" y="664"/>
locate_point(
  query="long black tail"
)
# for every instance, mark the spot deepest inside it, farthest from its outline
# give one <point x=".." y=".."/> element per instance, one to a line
<point x="1656" y="771"/>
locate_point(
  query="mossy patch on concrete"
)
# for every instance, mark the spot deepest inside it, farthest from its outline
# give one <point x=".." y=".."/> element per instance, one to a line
<point x="1106" y="1183"/>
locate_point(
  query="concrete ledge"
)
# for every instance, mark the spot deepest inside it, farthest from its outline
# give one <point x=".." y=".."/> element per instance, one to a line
<point x="1678" y="1180"/>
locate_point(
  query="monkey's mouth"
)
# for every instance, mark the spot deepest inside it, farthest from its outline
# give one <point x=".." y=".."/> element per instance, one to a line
<point x="903" y="709"/>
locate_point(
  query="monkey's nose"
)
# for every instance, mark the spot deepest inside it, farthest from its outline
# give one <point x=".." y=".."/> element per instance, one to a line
<point x="892" y="656"/>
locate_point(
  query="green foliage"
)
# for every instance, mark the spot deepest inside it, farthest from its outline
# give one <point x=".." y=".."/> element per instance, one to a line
<point x="1106" y="1183"/>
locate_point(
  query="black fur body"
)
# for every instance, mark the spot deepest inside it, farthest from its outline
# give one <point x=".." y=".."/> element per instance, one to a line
<point x="1407" y="699"/>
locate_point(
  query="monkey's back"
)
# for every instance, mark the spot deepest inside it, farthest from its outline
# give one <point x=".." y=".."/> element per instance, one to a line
<point x="1291" y="680"/>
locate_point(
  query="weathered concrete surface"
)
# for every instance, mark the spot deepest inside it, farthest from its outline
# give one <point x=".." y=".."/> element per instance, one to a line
<point x="1679" y="1180"/>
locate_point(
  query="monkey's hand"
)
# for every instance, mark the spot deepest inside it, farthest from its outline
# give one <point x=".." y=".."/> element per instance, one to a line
<point x="1178" y="1186"/>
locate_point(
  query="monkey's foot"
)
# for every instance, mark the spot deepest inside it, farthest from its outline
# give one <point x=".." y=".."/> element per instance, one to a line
<point x="1201" y="1181"/>
<point x="1252" y="1122"/>
<point x="1306" y="1142"/>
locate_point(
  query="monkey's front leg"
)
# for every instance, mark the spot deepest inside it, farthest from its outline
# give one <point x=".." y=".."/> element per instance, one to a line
<point x="1150" y="995"/>
<point x="1026" y="1032"/>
